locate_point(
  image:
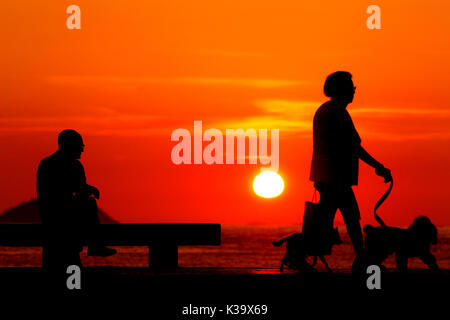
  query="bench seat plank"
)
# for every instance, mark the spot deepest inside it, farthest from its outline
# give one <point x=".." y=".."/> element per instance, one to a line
<point x="124" y="234"/>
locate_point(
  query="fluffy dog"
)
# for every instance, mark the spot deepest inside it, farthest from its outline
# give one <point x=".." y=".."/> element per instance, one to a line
<point x="415" y="241"/>
<point x="297" y="249"/>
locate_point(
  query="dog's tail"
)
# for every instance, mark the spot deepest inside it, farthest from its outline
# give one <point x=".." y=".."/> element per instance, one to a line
<point x="379" y="202"/>
<point x="280" y="242"/>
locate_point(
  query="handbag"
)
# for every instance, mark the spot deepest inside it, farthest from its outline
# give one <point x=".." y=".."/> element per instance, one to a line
<point x="316" y="228"/>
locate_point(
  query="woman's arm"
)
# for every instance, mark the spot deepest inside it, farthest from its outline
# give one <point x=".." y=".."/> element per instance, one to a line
<point x="367" y="158"/>
<point x="379" y="168"/>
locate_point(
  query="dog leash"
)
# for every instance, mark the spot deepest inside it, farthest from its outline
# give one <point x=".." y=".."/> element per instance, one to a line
<point x="379" y="202"/>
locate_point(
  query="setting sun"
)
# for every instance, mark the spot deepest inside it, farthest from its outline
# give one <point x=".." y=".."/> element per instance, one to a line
<point x="268" y="184"/>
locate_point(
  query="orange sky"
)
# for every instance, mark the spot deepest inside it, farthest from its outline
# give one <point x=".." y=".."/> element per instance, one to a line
<point x="137" y="70"/>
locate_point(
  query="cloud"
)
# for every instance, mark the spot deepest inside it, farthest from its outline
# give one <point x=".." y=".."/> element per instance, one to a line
<point x="204" y="81"/>
<point x="405" y="136"/>
<point x="266" y="122"/>
<point x="240" y="82"/>
<point x="395" y="124"/>
<point x="288" y="107"/>
<point x="289" y="116"/>
<point x="228" y="53"/>
<point x="389" y="112"/>
<point x="112" y="124"/>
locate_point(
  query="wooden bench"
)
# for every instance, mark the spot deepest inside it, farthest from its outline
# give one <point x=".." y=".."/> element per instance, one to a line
<point x="162" y="239"/>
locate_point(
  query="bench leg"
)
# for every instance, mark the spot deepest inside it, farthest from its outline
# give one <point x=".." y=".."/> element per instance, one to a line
<point x="163" y="256"/>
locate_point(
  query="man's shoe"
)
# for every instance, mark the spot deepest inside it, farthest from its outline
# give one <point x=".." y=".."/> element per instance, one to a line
<point x="101" y="252"/>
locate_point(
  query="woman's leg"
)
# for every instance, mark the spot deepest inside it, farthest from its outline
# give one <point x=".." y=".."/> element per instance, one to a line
<point x="350" y="212"/>
<point x="329" y="201"/>
<point x="328" y="206"/>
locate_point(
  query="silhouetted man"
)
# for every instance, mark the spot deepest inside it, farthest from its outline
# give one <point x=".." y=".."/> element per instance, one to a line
<point x="336" y="153"/>
<point x="67" y="206"/>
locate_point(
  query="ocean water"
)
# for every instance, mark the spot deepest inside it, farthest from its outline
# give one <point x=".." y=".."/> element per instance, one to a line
<point x="242" y="247"/>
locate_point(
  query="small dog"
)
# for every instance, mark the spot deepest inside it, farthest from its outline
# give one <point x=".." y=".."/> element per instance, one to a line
<point x="415" y="241"/>
<point x="297" y="249"/>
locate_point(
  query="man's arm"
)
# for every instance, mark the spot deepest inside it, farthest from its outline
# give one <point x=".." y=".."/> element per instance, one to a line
<point x="379" y="168"/>
<point x="86" y="190"/>
<point x="93" y="191"/>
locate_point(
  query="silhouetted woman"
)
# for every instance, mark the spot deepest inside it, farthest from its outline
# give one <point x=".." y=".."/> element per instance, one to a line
<point x="336" y="153"/>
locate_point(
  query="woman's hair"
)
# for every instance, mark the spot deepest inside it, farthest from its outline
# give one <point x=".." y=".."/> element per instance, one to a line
<point x="337" y="83"/>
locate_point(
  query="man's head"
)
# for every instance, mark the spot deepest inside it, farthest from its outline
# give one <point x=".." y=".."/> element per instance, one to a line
<point x="339" y="87"/>
<point x="70" y="143"/>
